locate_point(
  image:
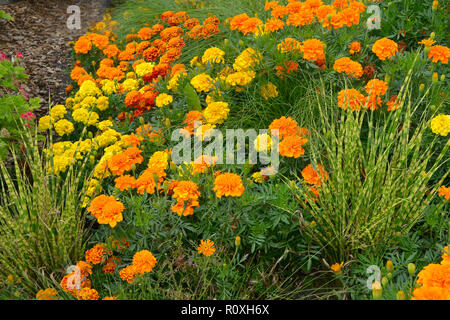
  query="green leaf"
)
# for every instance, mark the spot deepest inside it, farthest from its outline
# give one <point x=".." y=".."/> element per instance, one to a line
<point x="192" y="99"/>
<point x="6" y="16"/>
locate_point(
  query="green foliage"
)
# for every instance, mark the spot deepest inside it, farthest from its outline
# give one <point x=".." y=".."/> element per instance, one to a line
<point x="5" y="16"/>
<point x="41" y="219"/>
<point x="380" y="178"/>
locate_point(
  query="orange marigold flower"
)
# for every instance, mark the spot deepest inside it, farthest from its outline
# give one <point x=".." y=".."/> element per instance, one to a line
<point x="250" y="25"/>
<point x="312" y="177"/>
<point x="393" y="103"/>
<point x="83" y="45"/>
<point x="444" y="191"/>
<point x="430" y="293"/>
<point x="47" y="294"/>
<point x="96" y="254"/>
<point x="427" y="42"/>
<point x="270" y="5"/>
<point x="125" y="182"/>
<point x="190" y="23"/>
<point x="211" y="19"/>
<point x="85" y="268"/>
<point x="228" y="184"/>
<point x="202" y="163"/>
<point x="352" y="98"/>
<point x="312" y="50"/>
<point x="285" y="69"/>
<point x="273" y="25"/>
<point x="295" y="7"/>
<point x="435" y="275"/>
<point x="111" y="264"/>
<point x="384" y="48"/>
<point x="301" y="18"/>
<point x="206" y="247"/>
<point x="350" y="67"/>
<point x="439" y="53"/>
<point x="107" y="210"/>
<point x="289" y="45"/>
<point x="354" y="47"/>
<point x="128" y="273"/>
<point x="144" y="261"/>
<point x="291" y="146"/>
<point x="88" y="294"/>
<point x="279" y="11"/>
<point x="236" y="22"/>
<point x="166" y="15"/>
<point x="110" y="298"/>
<point x="186" y="193"/>
<point x="285" y="126"/>
<point x="170" y="33"/>
<point x="376" y="87"/>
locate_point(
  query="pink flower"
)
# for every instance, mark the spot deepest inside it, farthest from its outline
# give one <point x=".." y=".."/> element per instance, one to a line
<point x="19" y="55"/>
<point x="3" y="56"/>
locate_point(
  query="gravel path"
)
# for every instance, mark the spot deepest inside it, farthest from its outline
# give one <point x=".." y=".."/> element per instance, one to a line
<point x="39" y="31"/>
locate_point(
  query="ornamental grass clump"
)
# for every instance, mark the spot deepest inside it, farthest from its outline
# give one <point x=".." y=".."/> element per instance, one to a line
<point x="379" y="180"/>
<point x="41" y="219"/>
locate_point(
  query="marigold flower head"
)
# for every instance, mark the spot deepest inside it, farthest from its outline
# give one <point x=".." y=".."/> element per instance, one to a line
<point x="87" y="294"/>
<point x="213" y="55"/>
<point x="444" y="191"/>
<point x="206" y="247"/>
<point x="96" y="254"/>
<point x="384" y="48"/>
<point x="289" y="45"/>
<point x="128" y="273"/>
<point x="285" y="126"/>
<point x="269" y="91"/>
<point x="441" y="124"/>
<point x="273" y="24"/>
<point x="107" y="210"/>
<point x="47" y="294"/>
<point x="439" y="53"/>
<point x="144" y="261"/>
<point x="350" y="98"/>
<point x="348" y="66"/>
<point x="216" y="112"/>
<point x="202" y="82"/>
<point x="354" y="47"/>
<point x="376" y="87"/>
<point x="312" y="177"/>
<point x="291" y="146"/>
<point x="228" y="184"/>
<point x="301" y="18"/>
<point x="163" y="99"/>
<point x="337" y="267"/>
<point x="312" y="50"/>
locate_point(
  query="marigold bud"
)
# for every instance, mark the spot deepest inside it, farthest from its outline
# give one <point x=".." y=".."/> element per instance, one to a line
<point x="401" y="295"/>
<point x="435" y="77"/>
<point x="237" y="241"/>
<point x="442" y="77"/>
<point x="411" y="268"/>
<point x="432" y="35"/>
<point x="377" y="290"/>
<point x="421" y="87"/>
<point x="384" y="281"/>
<point x="389" y="266"/>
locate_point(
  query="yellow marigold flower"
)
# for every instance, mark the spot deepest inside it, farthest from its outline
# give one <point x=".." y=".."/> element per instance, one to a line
<point x="263" y="143"/>
<point x="229" y="185"/>
<point x="427" y="42"/>
<point x="84" y="116"/>
<point x="240" y="78"/>
<point x="203" y="131"/>
<point x="384" y="48"/>
<point x="206" y="247"/>
<point x="109" y="86"/>
<point x="45" y="123"/>
<point x="216" y="112"/>
<point x="130" y="84"/>
<point x="102" y="103"/>
<point x="269" y="91"/>
<point x="144" y="261"/>
<point x="257" y="177"/>
<point x="163" y="99"/>
<point x="103" y="125"/>
<point x="247" y="59"/>
<point x="58" y="112"/>
<point x="202" y="82"/>
<point x="144" y="68"/>
<point x="63" y="127"/>
<point x="213" y="55"/>
<point x="337" y="267"/>
<point x="441" y="124"/>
